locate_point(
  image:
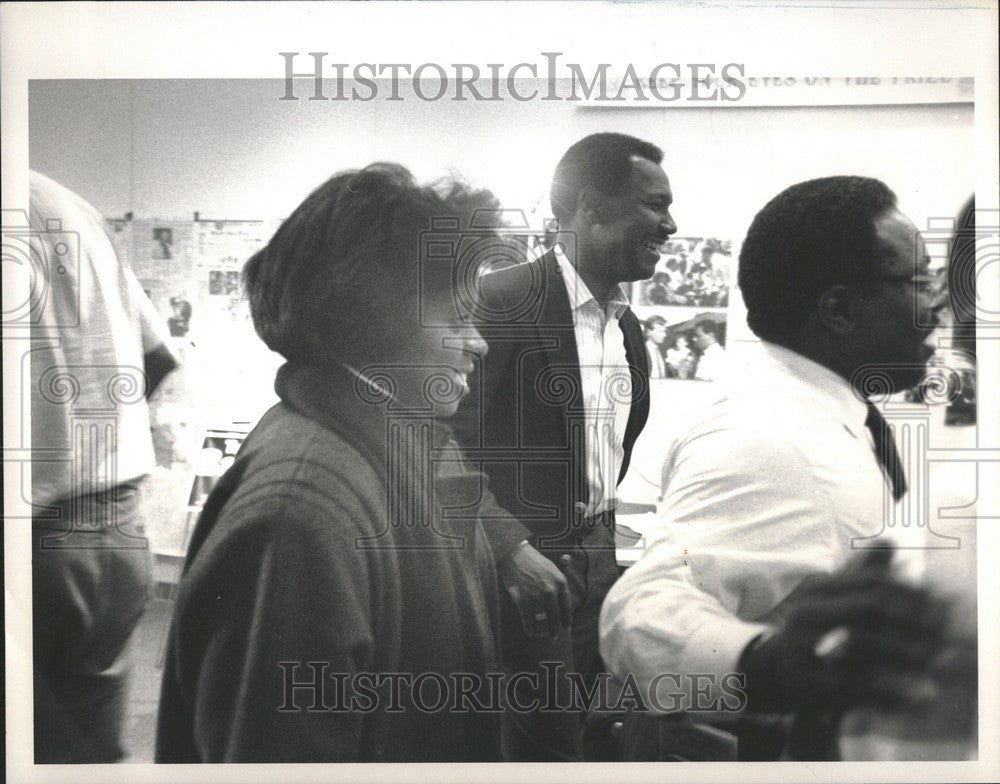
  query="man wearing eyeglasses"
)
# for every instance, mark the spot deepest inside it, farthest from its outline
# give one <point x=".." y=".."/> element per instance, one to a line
<point x="751" y="581"/>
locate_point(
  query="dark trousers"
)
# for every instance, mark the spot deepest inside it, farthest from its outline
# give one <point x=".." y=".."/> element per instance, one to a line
<point x="543" y="725"/>
<point x="90" y="576"/>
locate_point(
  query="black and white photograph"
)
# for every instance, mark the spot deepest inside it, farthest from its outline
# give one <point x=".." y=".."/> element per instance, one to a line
<point x="692" y="272"/>
<point x="684" y="346"/>
<point x="339" y="443"/>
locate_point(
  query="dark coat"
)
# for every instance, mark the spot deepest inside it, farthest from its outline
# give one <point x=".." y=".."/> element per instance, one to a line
<point x="301" y="555"/>
<point x="518" y="418"/>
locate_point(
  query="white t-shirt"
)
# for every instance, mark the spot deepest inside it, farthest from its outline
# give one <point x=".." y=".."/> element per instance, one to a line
<point x="91" y="327"/>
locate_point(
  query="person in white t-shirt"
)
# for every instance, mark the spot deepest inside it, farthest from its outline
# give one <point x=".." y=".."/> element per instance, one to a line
<point x="99" y="349"/>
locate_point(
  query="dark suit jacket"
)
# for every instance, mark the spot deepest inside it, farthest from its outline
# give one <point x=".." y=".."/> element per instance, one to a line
<point x="523" y="417"/>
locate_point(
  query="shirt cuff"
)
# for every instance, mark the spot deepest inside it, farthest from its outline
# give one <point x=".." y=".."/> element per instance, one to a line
<point x="711" y="662"/>
<point x="504" y="536"/>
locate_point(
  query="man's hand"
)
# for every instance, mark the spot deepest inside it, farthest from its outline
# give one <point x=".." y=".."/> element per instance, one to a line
<point x="855" y="637"/>
<point x="538" y="590"/>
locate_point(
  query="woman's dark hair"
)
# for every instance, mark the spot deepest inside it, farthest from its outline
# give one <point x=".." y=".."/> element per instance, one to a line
<point x="328" y="280"/>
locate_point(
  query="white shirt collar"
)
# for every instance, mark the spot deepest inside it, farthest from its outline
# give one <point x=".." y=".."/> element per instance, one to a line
<point x="822" y="382"/>
<point x="578" y="292"/>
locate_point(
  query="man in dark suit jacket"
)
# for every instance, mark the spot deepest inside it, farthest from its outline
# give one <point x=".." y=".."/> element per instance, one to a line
<point x="560" y="399"/>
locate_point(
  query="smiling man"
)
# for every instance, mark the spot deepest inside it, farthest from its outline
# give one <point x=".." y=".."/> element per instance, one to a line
<point x="562" y="398"/>
<point x="752" y="571"/>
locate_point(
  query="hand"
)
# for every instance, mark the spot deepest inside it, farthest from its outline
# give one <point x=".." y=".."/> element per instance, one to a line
<point x="538" y="590"/>
<point x="855" y="637"/>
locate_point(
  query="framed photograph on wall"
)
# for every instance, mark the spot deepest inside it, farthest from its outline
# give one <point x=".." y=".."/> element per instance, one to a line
<point x="692" y="272"/>
<point x="683" y="345"/>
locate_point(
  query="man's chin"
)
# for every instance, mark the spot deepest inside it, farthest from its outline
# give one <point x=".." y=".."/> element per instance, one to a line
<point x="644" y="268"/>
<point x="905" y="382"/>
<point x="908" y="376"/>
<point x="445" y="410"/>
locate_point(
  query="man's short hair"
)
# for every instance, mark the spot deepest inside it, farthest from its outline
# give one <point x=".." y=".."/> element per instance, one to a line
<point x="601" y="161"/>
<point x="808" y="238"/>
<point x="653" y="322"/>
<point x="329" y="278"/>
<point x="709" y="327"/>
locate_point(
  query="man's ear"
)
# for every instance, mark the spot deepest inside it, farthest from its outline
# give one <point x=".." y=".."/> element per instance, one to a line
<point x="836" y="310"/>
<point x="592" y="205"/>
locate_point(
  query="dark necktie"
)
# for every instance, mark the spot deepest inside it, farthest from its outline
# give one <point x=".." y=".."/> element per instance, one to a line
<point x="885" y="451"/>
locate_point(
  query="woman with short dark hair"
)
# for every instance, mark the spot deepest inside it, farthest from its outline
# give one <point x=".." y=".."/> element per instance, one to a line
<point x="330" y="608"/>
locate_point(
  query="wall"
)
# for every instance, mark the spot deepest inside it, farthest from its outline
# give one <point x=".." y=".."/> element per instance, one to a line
<point x="230" y="149"/>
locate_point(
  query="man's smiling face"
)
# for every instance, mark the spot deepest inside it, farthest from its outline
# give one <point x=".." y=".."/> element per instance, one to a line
<point x="636" y="223"/>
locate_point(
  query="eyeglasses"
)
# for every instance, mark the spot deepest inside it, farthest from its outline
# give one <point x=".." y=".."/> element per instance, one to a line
<point x="932" y="287"/>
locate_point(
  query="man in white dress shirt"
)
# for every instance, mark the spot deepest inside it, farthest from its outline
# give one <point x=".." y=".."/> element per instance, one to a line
<point x="752" y="580"/>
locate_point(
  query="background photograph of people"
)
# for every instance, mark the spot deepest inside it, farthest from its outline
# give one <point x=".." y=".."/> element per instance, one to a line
<point x="685" y="348"/>
<point x="691" y="272"/>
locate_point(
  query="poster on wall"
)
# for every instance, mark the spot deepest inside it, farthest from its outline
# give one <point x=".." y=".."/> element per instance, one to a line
<point x="692" y="272"/>
<point x="233" y="240"/>
<point x="163" y="243"/>
<point x="224" y="282"/>
<point x="683" y="308"/>
<point x="221" y="249"/>
<point x="685" y="345"/>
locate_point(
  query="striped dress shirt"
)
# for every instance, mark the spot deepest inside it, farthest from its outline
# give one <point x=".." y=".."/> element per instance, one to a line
<point x="606" y="384"/>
